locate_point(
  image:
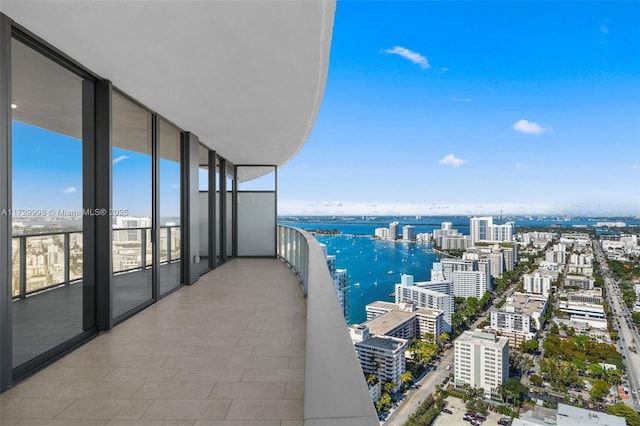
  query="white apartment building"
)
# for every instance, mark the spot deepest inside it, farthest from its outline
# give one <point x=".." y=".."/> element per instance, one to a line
<point x="520" y="317"/>
<point x="131" y="222"/>
<point x="470" y="284"/>
<point x="461" y="242"/>
<point x="393" y="230"/>
<point x="557" y="254"/>
<point x="590" y="313"/>
<point x="537" y="283"/>
<point x="581" y="281"/>
<point x="479" y="228"/>
<point x="481" y="360"/>
<point x="340" y="279"/>
<point x="383" y="357"/>
<point x="483" y="229"/>
<point x="409" y="233"/>
<point x="382" y="233"/>
<point x="403" y="320"/>
<point x="425" y="296"/>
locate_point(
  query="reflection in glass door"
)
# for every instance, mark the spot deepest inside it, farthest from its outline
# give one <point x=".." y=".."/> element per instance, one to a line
<point x="49" y="305"/>
<point x="132" y="248"/>
<point x="206" y="259"/>
<point x="217" y="220"/>
<point x="169" y="186"/>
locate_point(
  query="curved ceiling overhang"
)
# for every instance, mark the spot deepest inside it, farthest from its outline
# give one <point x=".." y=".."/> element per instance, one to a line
<point x="247" y="77"/>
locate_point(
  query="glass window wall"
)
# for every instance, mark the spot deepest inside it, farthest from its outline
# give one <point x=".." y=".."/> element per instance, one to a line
<point x="169" y="187"/>
<point x="132" y="198"/>
<point x="47" y="145"/>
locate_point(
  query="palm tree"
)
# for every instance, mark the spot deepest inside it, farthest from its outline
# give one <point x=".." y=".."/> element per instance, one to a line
<point x="405" y="378"/>
<point x="371" y="379"/>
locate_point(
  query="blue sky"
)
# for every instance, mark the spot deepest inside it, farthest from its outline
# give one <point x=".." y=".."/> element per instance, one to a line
<point x="47" y="174"/>
<point x="473" y="107"/>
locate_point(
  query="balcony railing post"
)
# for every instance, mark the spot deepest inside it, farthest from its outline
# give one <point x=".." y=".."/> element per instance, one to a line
<point x="143" y="247"/>
<point x="23" y="267"/>
<point x="67" y="258"/>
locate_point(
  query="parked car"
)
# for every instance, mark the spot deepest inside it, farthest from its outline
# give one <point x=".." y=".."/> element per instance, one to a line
<point x="446" y="410"/>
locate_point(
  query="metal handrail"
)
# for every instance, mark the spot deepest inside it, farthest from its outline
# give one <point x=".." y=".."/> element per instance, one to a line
<point x="23" y="290"/>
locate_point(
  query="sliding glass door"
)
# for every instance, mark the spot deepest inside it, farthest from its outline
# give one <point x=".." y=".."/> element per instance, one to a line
<point x="50" y="306"/>
<point x="169" y="196"/>
<point x="132" y="188"/>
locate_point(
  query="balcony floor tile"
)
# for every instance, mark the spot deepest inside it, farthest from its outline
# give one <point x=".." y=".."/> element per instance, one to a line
<point x="226" y="351"/>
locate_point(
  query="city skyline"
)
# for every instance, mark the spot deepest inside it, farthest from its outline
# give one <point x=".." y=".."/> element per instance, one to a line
<point x="444" y="108"/>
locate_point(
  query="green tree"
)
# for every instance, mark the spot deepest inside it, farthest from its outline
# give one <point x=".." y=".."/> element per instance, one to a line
<point x="529" y="346"/>
<point x="444" y="337"/>
<point x="536" y="380"/>
<point x="384" y="403"/>
<point x="622" y="410"/>
<point x="371" y="379"/>
<point x="389" y="387"/>
<point x="406" y="378"/>
<point x="599" y="390"/>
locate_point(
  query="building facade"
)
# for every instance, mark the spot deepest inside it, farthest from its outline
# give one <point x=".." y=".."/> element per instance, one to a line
<point x="383" y="357"/>
<point x="481" y="360"/>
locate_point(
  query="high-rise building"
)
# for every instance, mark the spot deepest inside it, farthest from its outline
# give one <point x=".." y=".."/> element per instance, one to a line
<point x="409" y="233"/>
<point x="340" y="279"/>
<point x="537" y="283"/>
<point x="383" y="357"/>
<point x="482" y="229"/>
<point x="481" y="360"/>
<point x="403" y="320"/>
<point x="470" y="283"/>
<point x="393" y="230"/>
<point x="428" y="294"/>
<point x="479" y="228"/>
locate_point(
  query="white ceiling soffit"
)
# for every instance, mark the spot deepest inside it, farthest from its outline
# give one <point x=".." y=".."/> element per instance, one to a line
<point x="247" y="77"/>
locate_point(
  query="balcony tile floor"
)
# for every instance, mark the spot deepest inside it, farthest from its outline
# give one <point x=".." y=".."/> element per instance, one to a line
<point x="227" y="351"/>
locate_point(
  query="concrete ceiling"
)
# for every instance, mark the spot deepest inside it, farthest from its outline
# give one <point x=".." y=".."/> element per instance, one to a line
<point x="247" y="77"/>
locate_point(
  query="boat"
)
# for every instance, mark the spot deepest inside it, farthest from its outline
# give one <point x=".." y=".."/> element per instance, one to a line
<point x="356" y="285"/>
<point x="390" y="272"/>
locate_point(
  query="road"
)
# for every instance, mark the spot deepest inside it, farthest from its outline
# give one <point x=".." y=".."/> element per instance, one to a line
<point x="626" y="331"/>
<point x="428" y="384"/>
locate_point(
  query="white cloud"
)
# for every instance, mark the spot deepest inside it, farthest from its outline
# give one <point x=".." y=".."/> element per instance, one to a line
<point x="444" y="69"/>
<point x="70" y="190"/>
<point x="414" y="57"/>
<point x="451" y="160"/>
<point x="529" y="127"/>
<point x="119" y="159"/>
<point x="462" y="99"/>
<point x="521" y="166"/>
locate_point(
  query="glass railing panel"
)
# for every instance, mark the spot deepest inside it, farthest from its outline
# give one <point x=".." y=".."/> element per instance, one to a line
<point x="127" y="249"/>
<point x="148" y="249"/>
<point x="176" y="243"/>
<point x="15" y="267"/>
<point x="164" y="245"/>
<point x="45" y="262"/>
<point x="75" y="256"/>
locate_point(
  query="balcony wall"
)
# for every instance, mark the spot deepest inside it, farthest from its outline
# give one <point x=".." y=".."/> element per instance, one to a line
<point x="335" y="390"/>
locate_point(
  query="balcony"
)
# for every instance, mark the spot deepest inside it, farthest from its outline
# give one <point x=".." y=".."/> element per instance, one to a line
<point x="241" y="346"/>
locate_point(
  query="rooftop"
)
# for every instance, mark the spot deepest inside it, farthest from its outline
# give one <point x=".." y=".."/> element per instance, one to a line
<point x="387" y="343"/>
<point x="525" y="303"/>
